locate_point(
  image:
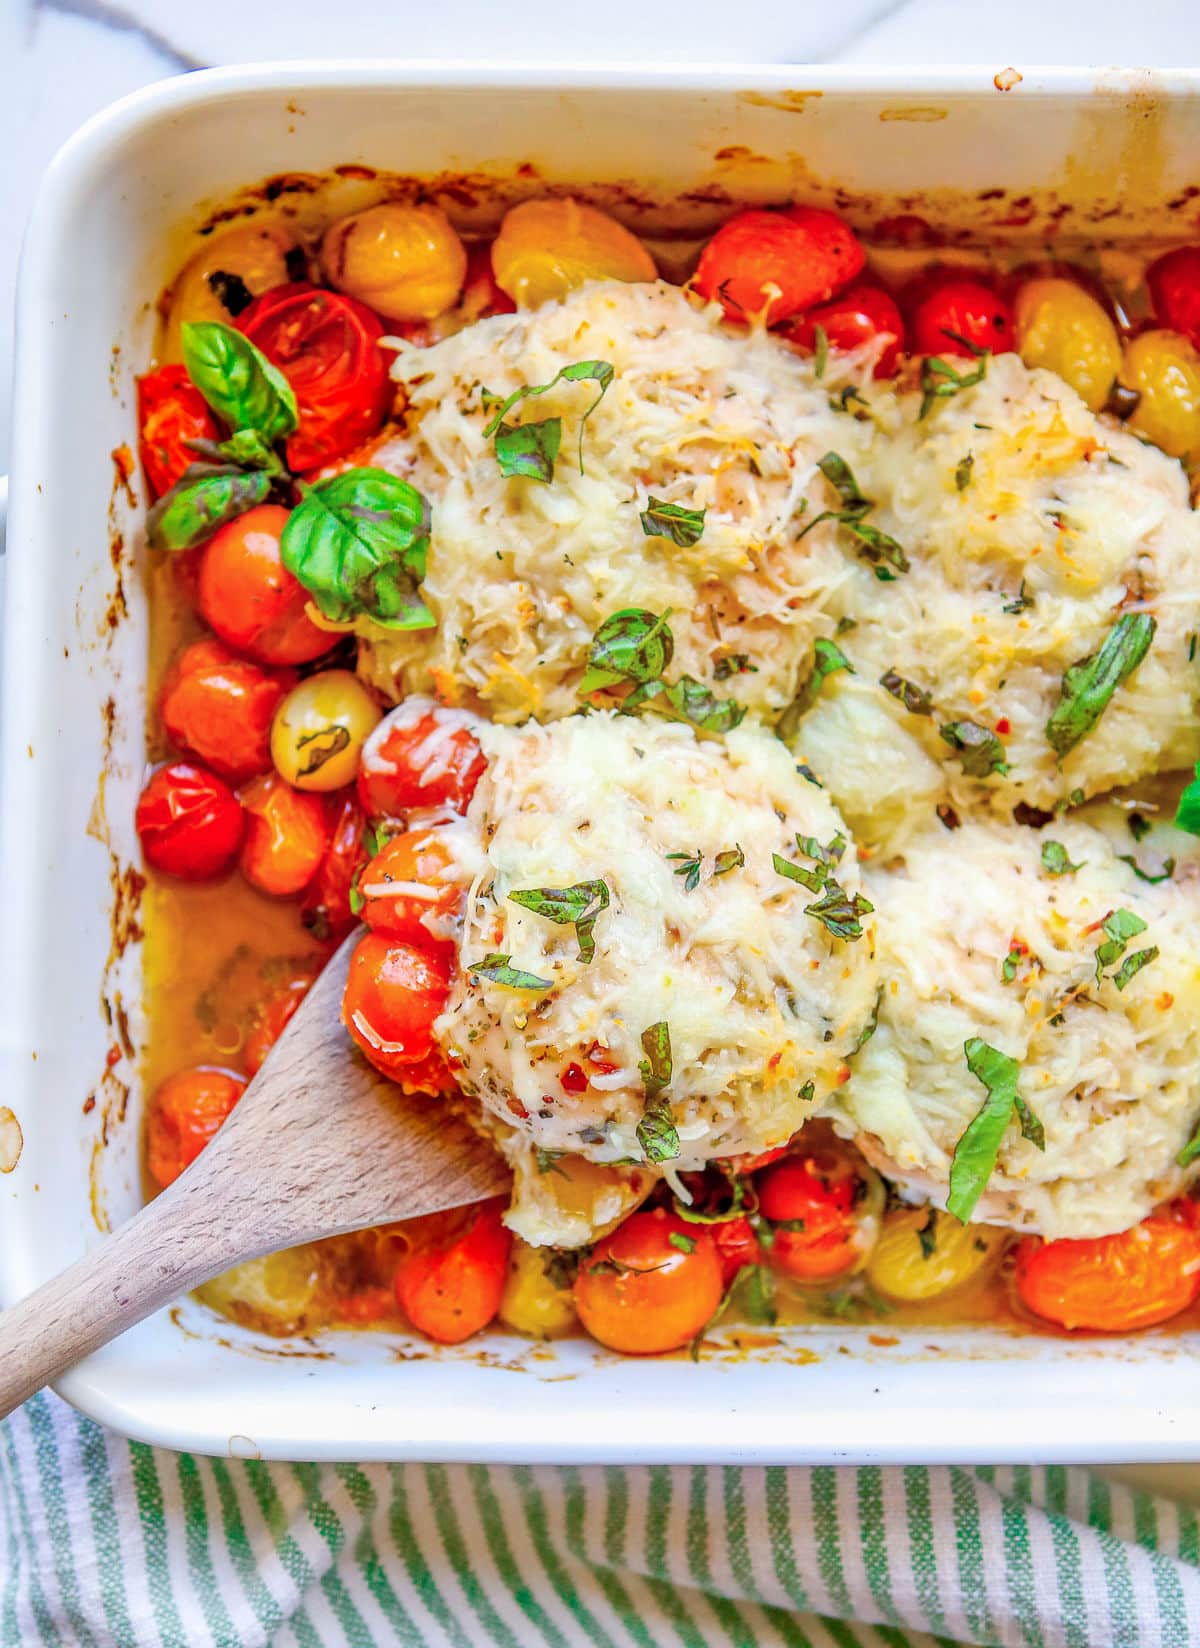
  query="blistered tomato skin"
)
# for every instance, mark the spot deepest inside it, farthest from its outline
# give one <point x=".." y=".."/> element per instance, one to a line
<point x="248" y="259"/>
<point x="452" y="1291"/>
<point x="858" y="316"/>
<point x="406" y="262"/>
<point x="956" y="307"/>
<point x="775" y="264"/>
<point x="273" y="1017"/>
<point x="189" y="822"/>
<point x="394" y="991"/>
<point x="546" y="248"/>
<point x="407" y="893"/>
<point x="1063" y="328"/>
<point x="1165" y="370"/>
<point x="247" y="595"/>
<point x="650" y="1285"/>
<point x="420" y="757"/>
<point x="287" y="833"/>
<point x="171" y="412"/>
<point x="1112" y="1284"/>
<point x="218" y="707"/>
<point x="326" y="912"/>
<point x="184" y="1113"/>
<point x="1174" y="282"/>
<point x="809" y="1199"/>
<point x="320" y="728"/>
<point x="327" y="346"/>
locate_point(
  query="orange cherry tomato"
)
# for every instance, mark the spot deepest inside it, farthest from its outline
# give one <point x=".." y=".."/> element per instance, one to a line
<point x="651" y="1284"/>
<point x="407" y="894"/>
<point x="171" y="412"/>
<point x="184" y="1114"/>
<point x="965" y="306"/>
<point x="326" y="344"/>
<point x="420" y="756"/>
<point x="273" y="1017"/>
<point x="249" y="597"/>
<point x="1174" y="282"/>
<point x="778" y="262"/>
<point x="189" y="822"/>
<point x="451" y="1291"/>
<point x="1112" y="1284"/>
<point x="393" y="993"/>
<point x="326" y="911"/>
<point x="287" y="833"/>
<point x="809" y="1198"/>
<point x="858" y="315"/>
<point x="737" y="1245"/>
<point x="219" y="708"/>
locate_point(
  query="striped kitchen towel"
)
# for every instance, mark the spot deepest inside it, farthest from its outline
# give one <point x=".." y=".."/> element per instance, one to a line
<point x="107" y="1544"/>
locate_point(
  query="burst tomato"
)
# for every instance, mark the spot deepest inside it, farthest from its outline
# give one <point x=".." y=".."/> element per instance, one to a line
<point x="407" y="893"/>
<point x="856" y="317"/>
<point x="778" y="262"/>
<point x="650" y="1285"/>
<point x="809" y="1199"/>
<point x="171" y="412"/>
<point x="420" y="756"/>
<point x="326" y="911"/>
<point x="247" y="595"/>
<point x="219" y="707"/>
<point x="452" y="1290"/>
<point x="965" y="307"/>
<point x="189" y="821"/>
<point x="287" y="832"/>
<point x="1112" y="1284"/>
<point x="273" y="1017"/>
<point x="184" y="1114"/>
<point x="394" y="992"/>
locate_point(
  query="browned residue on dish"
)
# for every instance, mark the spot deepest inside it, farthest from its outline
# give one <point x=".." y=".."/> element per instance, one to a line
<point x="1005" y="79"/>
<point x="921" y="114"/>
<point x="11" y="1140"/>
<point x="791" y="102"/>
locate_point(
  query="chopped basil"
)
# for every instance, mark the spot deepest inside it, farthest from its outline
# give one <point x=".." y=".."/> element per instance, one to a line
<point x="687" y="700"/>
<point x="1165" y="874"/>
<point x="529" y="450"/>
<point x="658" y="1066"/>
<point x="1012" y="961"/>
<point x="685" y="1244"/>
<point x="978" y="748"/>
<point x="595" y="371"/>
<point x="876" y="546"/>
<point x="820" y="352"/>
<point x="631" y="646"/>
<point x="828" y="659"/>
<point x="657" y="1135"/>
<point x="814" y="880"/>
<point x="1020" y="602"/>
<point x="978" y="1148"/>
<point x="497" y="970"/>
<point x="656" y="1132"/>
<point x="202" y="501"/>
<point x="1187" y="814"/>
<point x="915" y="699"/>
<point x="577" y="906"/>
<point x="1190" y="1151"/>
<point x="838" y="912"/>
<point x="238" y="381"/>
<point x="684" y="527"/>
<point x="722" y="1305"/>
<point x="962" y="471"/>
<point x="1133" y="965"/>
<point x="864" y="1036"/>
<point x="1119" y="926"/>
<point x="358" y="543"/>
<point x="808" y="1092"/>
<point x="1055" y="860"/>
<point x="1088" y="686"/>
<point x="738" y="663"/>
<point x="939" y="379"/>
<point x="829" y="854"/>
<point x="246" y="448"/>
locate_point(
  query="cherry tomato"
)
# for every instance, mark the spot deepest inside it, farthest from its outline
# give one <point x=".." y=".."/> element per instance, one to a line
<point x="481" y="294"/>
<point x="1174" y="282"/>
<point x="189" y="821"/>
<point x="184" y="1114"/>
<point x="287" y="833"/>
<point x="393" y="994"/>
<point x="964" y="305"/>
<point x="650" y="1285"/>
<point x="420" y="756"/>
<point x="171" y="412"/>
<point x="451" y="1291"/>
<point x="1112" y="1284"/>
<point x="407" y="893"/>
<point x="219" y="707"/>
<point x="406" y="262"/>
<point x="810" y="1198"/>
<point x="737" y="1245"/>
<point x="273" y="1017"/>
<point x="249" y="597"/>
<point x="327" y="346"/>
<point x="805" y="253"/>
<point x="858" y="315"/>
<point x="326" y="911"/>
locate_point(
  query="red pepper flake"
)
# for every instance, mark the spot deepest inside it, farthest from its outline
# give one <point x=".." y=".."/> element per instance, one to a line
<point x="573" y="1079"/>
<point x="518" y="1109"/>
<point x="1004" y="726"/>
<point x="597" y="1057"/>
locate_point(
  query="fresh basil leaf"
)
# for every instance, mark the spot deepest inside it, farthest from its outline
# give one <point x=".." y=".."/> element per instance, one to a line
<point x="828" y="659"/>
<point x="238" y="381"/>
<point x="577" y="906"/>
<point x="877" y="546"/>
<point x="1031" y="1127"/>
<point x="657" y="1134"/>
<point x="684" y="527"/>
<point x="358" y="543"/>
<point x="1055" y="861"/>
<point x="1119" y="926"/>
<point x="1165" y="874"/>
<point x="978" y="748"/>
<point x="498" y="970"/>
<point x="1190" y="1151"/>
<point x="687" y="700"/>
<point x="814" y="880"/>
<point x="939" y="379"/>
<point x="841" y="477"/>
<point x="529" y="449"/>
<point x="1012" y="961"/>
<point x="1187" y="814"/>
<point x="829" y="854"/>
<point x="838" y="912"/>
<point x="864" y="1036"/>
<point x="915" y="699"/>
<point x="202" y="501"/>
<point x="597" y="371"/>
<point x="658" y="1066"/>
<point x="1133" y="965"/>
<point x="1088" y="686"/>
<point x="962" y="471"/>
<point x="248" y="449"/>
<point x="977" y="1150"/>
<point x="632" y="645"/>
<point x="697" y="1343"/>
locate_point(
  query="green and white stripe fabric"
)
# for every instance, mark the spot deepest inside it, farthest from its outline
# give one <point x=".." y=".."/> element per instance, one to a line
<point x="104" y="1544"/>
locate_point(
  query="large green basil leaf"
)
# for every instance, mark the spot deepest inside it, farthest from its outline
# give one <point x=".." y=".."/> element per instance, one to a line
<point x="358" y="543"/>
<point x="206" y="497"/>
<point x="1088" y="686"/>
<point x="238" y="381"/>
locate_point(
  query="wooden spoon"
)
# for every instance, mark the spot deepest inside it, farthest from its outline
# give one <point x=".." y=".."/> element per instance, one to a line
<point x="319" y="1143"/>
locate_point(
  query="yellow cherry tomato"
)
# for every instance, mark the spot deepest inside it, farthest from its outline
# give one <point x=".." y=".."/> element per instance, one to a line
<point x="256" y="253"/>
<point x="545" y="248"/>
<point x="405" y="262"/>
<point x="1164" y="368"/>
<point x="319" y="731"/>
<point x="533" y="1302"/>
<point x="905" y="1268"/>
<point x="1062" y="327"/>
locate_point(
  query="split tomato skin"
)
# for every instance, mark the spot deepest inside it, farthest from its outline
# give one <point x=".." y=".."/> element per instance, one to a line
<point x="859" y="315"/>
<point x="1112" y="1284"/>
<point x="287" y="834"/>
<point x="219" y="707"/>
<point x="650" y="1285"/>
<point x="171" y="412"/>
<point x="965" y="306"/>
<point x="184" y="1114"/>
<point x="249" y="598"/>
<point x="777" y="264"/>
<point x="420" y="757"/>
<point x="394" y="992"/>
<point x="451" y="1291"/>
<point x="189" y="822"/>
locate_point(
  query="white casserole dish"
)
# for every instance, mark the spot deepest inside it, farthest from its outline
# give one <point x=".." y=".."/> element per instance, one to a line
<point x="1082" y="146"/>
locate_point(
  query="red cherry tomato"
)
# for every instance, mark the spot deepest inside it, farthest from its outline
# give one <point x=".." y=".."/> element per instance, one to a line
<point x="171" y="412"/>
<point x="965" y="306"/>
<point x="249" y="597"/>
<point x="1174" y="282"/>
<point x="858" y="315"/>
<point x="326" y="911"/>
<point x="805" y="253"/>
<point x="393" y="994"/>
<point x="184" y="1114"/>
<point x="810" y="1199"/>
<point x="273" y="1017"/>
<point x="219" y="708"/>
<point x="450" y="1291"/>
<point x="737" y="1245"/>
<point x="189" y="821"/>
<point x="420" y="756"/>
<point x="1112" y="1284"/>
<point x="327" y="346"/>
<point x="650" y="1285"/>
<point x="480" y="294"/>
<point x="287" y="832"/>
<point x="407" y="893"/>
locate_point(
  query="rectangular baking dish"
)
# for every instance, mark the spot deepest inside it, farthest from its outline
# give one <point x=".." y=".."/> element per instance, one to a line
<point x="1107" y="154"/>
